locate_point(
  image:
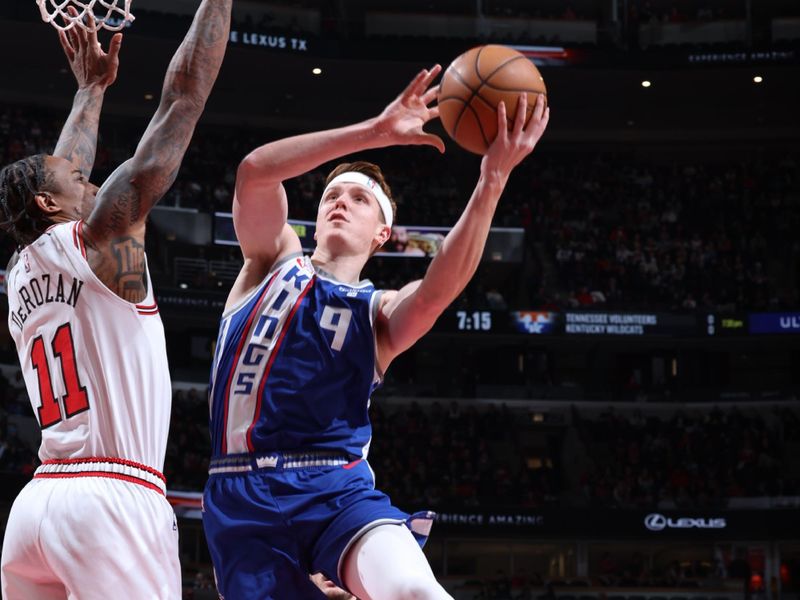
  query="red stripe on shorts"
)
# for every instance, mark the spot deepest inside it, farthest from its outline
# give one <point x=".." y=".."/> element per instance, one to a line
<point x="106" y="474"/>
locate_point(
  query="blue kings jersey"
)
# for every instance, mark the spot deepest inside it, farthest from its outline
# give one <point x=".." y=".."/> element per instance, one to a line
<point x="294" y="365"/>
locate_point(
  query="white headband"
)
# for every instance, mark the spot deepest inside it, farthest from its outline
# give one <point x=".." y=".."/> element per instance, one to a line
<point x="369" y="184"/>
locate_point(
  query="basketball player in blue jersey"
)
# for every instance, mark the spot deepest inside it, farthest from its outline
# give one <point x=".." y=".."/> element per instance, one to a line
<point x="303" y="343"/>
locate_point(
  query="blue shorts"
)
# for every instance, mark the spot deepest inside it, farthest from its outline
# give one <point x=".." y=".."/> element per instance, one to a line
<point x="269" y="528"/>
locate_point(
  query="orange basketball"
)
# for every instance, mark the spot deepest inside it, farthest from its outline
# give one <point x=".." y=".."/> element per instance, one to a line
<point x="475" y="83"/>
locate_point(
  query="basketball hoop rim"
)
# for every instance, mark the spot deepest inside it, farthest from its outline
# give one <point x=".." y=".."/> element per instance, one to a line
<point x="59" y="8"/>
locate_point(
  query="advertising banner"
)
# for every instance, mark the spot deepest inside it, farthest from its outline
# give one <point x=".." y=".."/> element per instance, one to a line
<point x="775" y="323"/>
<point x="505" y="244"/>
<point x="654" y="525"/>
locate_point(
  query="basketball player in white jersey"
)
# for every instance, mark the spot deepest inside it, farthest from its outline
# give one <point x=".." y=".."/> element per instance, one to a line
<point x="266" y="518"/>
<point x="94" y="523"/>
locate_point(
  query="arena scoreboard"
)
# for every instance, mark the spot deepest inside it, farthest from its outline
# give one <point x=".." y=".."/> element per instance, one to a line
<point x="587" y="324"/>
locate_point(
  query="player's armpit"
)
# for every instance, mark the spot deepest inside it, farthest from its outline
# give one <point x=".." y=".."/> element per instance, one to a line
<point x="258" y="265"/>
<point x="119" y="262"/>
<point x="114" y="237"/>
<point x="114" y="231"/>
<point x="404" y="316"/>
<point x="125" y="200"/>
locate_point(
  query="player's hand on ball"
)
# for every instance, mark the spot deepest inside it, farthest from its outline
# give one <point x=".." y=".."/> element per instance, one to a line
<point x="509" y="148"/>
<point x="403" y="119"/>
<point x="90" y="64"/>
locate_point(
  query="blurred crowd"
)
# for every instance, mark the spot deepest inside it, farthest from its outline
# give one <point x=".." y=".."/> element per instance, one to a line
<point x="464" y="456"/>
<point x="621" y="569"/>
<point x="17" y="454"/>
<point x="477" y="457"/>
<point x="603" y="229"/>
<point x="189" y="442"/>
<point x="446" y="456"/>
<point x="678" y="236"/>
<point x="459" y="457"/>
<point x="685" y="460"/>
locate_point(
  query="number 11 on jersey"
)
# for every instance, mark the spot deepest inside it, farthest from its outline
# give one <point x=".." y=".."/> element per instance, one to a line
<point x="76" y="399"/>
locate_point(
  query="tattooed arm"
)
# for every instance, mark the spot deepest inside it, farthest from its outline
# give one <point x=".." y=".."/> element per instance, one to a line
<point x="115" y="230"/>
<point x="94" y="71"/>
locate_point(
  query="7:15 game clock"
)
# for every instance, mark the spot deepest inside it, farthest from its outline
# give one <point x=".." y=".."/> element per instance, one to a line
<point x="479" y="320"/>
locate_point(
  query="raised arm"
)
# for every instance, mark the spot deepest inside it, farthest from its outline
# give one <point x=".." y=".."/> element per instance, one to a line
<point x="126" y="198"/>
<point x="114" y="231"/>
<point x="406" y="315"/>
<point x="260" y="206"/>
<point x="94" y="71"/>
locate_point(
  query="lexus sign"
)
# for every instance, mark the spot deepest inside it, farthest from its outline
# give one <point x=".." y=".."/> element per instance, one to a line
<point x="658" y="522"/>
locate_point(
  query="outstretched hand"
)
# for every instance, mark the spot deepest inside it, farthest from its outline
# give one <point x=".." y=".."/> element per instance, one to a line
<point x="403" y="119"/>
<point x="89" y="63"/>
<point x="509" y="148"/>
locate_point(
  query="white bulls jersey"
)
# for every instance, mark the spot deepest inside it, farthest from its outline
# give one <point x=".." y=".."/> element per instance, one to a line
<point x="95" y="365"/>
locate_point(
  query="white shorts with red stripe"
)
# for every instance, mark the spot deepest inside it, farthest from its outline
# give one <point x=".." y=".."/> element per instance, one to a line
<point x="91" y="529"/>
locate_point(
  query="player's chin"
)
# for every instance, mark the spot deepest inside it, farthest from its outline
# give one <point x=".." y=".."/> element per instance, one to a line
<point x="343" y="241"/>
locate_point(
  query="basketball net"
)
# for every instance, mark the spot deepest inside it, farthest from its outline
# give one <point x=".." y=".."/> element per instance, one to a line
<point x="106" y="13"/>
